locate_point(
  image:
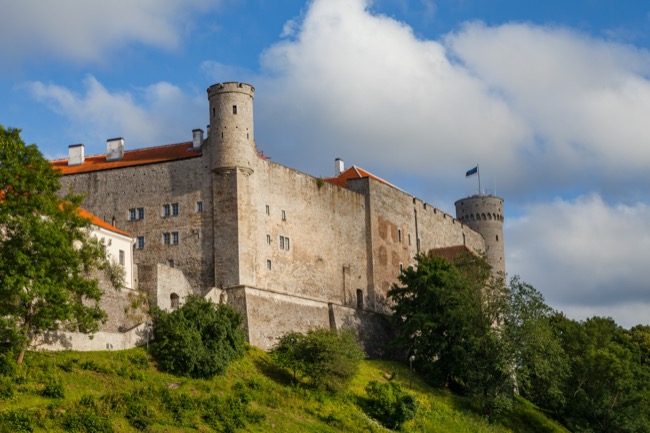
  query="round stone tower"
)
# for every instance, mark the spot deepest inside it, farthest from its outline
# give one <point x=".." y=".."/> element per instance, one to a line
<point x="484" y="214"/>
<point x="231" y="126"/>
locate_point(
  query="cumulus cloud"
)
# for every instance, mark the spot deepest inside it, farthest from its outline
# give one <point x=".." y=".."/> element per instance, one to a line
<point x="362" y="86"/>
<point x="586" y="256"/>
<point x="151" y="116"/>
<point x="80" y="30"/>
<point x="540" y="108"/>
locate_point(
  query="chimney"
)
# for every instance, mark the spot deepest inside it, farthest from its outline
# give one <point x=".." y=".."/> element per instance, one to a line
<point x="197" y="138"/>
<point x="114" y="149"/>
<point x="76" y="154"/>
<point x="339" y="166"/>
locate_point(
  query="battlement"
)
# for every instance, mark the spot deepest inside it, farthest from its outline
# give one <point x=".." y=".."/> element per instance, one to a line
<point x="231" y="87"/>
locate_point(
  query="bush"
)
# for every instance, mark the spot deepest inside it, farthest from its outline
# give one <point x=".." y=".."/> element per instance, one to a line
<point x="329" y="360"/>
<point x="389" y="404"/>
<point x="6" y="388"/>
<point x="53" y="389"/>
<point x="197" y="340"/>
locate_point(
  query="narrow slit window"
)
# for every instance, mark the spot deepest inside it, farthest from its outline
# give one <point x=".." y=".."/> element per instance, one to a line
<point x="234" y="109"/>
<point x="284" y="215"/>
<point x="268" y="265"/>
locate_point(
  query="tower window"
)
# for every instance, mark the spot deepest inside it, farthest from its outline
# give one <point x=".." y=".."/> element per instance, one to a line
<point x="268" y="210"/>
<point x="214" y="111"/>
<point x="199" y="206"/>
<point x="268" y="239"/>
<point x="284" y="215"/>
<point x="497" y="238"/>
<point x="399" y="235"/>
<point x="140" y="242"/>
<point x="234" y="109"/>
<point x="409" y="237"/>
<point x="360" y="299"/>
<point x="268" y="265"/>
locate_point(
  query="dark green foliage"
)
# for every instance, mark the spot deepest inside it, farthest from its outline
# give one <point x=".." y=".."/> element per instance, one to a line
<point x="197" y="340"/>
<point x="16" y="421"/>
<point x="390" y="404"/>
<point x="6" y="387"/>
<point x="329" y="360"/>
<point x="54" y="388"/>
<point x="444" y="315"/>
<point x="608" y="389"/>
<point x="229" y="414"/>
<point x="46" y="251"/>
<point x="86" y="420"/>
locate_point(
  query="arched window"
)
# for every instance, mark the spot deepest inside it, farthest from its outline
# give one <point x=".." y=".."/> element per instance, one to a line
<point x="175" y="301"/>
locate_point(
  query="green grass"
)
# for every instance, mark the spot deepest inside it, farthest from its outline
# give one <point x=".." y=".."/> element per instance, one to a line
<point x="123" y="392"/>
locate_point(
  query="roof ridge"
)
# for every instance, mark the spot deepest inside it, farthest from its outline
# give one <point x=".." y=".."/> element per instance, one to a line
<point x="128" y="150"/>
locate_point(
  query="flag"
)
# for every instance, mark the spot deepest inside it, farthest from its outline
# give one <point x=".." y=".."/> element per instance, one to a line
<point x="471" y="171"/>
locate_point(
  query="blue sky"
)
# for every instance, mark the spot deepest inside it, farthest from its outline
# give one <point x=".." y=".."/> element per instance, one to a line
<point x="550" y="98"/>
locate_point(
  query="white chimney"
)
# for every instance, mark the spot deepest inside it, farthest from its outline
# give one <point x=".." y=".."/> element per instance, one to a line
<point x="76" y="154"/>
<point x="114" y="149"/>
<point x="197" y="138"/>
<point x="339" y="166"/>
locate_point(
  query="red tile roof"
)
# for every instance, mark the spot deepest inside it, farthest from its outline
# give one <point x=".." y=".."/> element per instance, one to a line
<point x="151" y="155"/>
<point x="354" y="172"/>
<point x="100" y="223"/>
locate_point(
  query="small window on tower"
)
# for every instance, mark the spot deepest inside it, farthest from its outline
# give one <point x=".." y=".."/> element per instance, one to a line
<point x="234" y="109"/>
<point x="199" y="206"/>
<point x="268" y="265"/>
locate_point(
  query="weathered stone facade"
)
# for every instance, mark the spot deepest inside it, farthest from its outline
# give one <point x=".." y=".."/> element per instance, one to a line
<point x="287" y="250"/>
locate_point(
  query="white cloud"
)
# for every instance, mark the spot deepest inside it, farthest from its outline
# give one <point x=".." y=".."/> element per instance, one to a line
<point x="82" y="30"/>
<point x="587" y="257"/>
<point x="364" y="87"/>
<point x="155" y="115"/>
<point x="541" y="109"/>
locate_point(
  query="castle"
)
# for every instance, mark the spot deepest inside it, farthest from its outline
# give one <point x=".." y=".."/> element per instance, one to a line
<point x="289" y="251"/>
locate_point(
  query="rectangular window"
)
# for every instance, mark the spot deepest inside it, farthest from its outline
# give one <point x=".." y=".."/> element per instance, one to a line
<point x="175" y="238"/>
<point x="140" y="213"/>
<point x="234" y="109"/>
<point x="268" y="265"/>
<point x="286" y="243"/>
<point x="399" y="235"/>
<point x="166" y="211"/>
<point x="409" y="236"/>
<point x="166" y="238"/>
<point x="122" y="259"/>
<point x="132" y="214"/>
<point x="175" y="209"/>
<point x="199" y="206"/>
<point x="268" y="239"/>
<point x="281" y="242"/>
<point x="170" y="263"/>
<point x="284" y="215"/>
<point x="140" y="242"/>
<point x="268" y="210"/>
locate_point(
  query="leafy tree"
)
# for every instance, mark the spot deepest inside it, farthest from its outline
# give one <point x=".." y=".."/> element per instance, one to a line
<point x="539" y="362"/>
<point x="390" y="404"/>
<point x="327" y="358"/>
<point x="197" y="340"/>
<point x="46" y="251"/>
<point x="608" y="389"/>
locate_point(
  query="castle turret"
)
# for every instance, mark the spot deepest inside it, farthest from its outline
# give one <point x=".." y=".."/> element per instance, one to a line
<point x="484" y="214"/>
<point x="231" y="126"/>
<point x="233" y="157"/>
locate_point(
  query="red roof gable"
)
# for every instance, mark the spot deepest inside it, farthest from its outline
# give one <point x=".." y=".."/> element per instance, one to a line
<point x="100" y="223"/>
<point x="354" y="172"/>
<point x="151" y="155"/>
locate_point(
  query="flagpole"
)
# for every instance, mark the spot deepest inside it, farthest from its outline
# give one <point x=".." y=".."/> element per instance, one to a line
<point x="478" y="171"/>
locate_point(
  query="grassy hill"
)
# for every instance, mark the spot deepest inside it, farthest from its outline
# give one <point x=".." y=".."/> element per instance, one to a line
<point x="123" y="392"/>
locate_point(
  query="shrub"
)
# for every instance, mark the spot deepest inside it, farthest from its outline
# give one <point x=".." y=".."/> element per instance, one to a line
<point x="53" y="389"/>
<point x="328" y="359"/>
<point x="87" y="421"/>
<point x="6" y="388"/>
<point x="16" y="421"/>
<point x="197" y="340"/>
<point x="389" y="404"/>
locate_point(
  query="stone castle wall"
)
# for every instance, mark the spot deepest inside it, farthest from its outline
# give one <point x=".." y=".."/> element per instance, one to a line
<point x="110" y="194"/>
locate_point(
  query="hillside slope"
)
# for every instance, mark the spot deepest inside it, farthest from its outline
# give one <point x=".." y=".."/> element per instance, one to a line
<point x="123" y="392"/>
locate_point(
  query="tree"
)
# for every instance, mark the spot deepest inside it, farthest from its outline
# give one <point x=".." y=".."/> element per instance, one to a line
<point x="46" y="251"/>
<point x="446" y="315"/>
<point x="327" y="358"/>
<point x="197" y="340"/>
<point x="540" y="365"/>
<point x="608" y="389"/>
